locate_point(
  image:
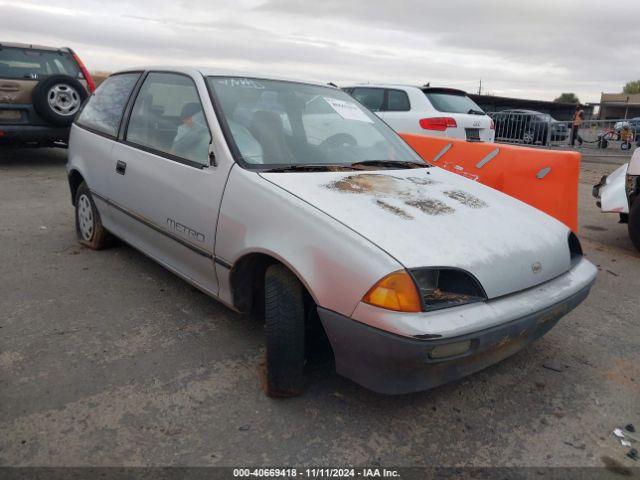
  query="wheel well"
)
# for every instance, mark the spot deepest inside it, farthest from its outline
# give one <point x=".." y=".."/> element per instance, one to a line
<point x="75" y="179"/>
<point x="247" y="279"/>
<point x="247" y="287"/>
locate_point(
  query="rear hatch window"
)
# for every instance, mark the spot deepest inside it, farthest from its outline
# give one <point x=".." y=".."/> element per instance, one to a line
<point x="27" y="63"/>
<point x="452" y="101"/>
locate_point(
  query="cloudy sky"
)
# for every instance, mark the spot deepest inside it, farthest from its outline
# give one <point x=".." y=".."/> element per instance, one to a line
<point x="533" y="48"/>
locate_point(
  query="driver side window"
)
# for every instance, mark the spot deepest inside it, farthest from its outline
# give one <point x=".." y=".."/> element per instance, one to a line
<point x="167" y="118"/>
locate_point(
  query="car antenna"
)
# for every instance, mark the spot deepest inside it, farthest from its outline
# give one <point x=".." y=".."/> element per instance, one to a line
<point x="331" y="84"/>
<point x="427" y="85"/>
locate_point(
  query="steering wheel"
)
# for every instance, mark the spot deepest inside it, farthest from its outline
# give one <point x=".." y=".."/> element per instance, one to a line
<point x="338" y="140"/>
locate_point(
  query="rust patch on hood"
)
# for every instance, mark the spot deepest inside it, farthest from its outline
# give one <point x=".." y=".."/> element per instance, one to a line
<point x="408" y="190"/>
<point x="370" y="184"/>
<point x="393" y="209"/>
<point x="466" y="199"/>
<point x="431" y="206"/>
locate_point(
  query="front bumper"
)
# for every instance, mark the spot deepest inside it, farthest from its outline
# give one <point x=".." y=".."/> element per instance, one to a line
<point x="392" y="363"/>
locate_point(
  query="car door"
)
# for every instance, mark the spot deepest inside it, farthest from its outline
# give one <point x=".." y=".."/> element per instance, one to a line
<point x="91" y="148"/>
<point x="165" y="192"/>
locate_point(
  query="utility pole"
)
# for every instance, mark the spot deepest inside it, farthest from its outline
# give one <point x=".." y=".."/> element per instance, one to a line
<point x="480" y="88"/>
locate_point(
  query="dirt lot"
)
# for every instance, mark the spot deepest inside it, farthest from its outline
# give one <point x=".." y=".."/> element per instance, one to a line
<point x="108" y="359"/>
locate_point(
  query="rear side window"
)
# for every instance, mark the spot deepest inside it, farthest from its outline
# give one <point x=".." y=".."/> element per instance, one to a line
<point x="104" y="110"/>
<point x="28" y="63"/>
<point x="167" y="117"/>
<point x="372" y="98"/>
<point x="451" y="102"/>
<point x="397" y="101"/>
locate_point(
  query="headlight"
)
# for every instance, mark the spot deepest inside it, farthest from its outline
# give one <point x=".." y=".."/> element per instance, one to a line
<point x="575" y="249"/>
<point x="446" y="287"/>
<point x="425" y="289"/>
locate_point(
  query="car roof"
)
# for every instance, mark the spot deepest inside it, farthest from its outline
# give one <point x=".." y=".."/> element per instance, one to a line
<point x="33" y="46"/>
<point x="380" y="85"/>
<point x="209" y="71"/>
<point x="399" y="86"/>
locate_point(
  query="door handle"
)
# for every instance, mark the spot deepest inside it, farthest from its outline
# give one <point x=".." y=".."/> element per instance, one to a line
<point x="121" y="167"/>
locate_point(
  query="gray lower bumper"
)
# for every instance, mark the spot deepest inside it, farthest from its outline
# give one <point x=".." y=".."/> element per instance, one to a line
<point x="392" y="364"/>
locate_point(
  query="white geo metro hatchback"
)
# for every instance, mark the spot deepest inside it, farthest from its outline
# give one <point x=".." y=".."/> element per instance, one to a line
<point x="293" y="200"/>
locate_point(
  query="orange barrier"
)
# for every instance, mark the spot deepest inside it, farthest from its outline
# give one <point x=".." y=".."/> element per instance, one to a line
<point x="545" y="179"/>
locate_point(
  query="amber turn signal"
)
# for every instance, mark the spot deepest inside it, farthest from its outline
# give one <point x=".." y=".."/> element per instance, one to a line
<point x="396" y="291"/>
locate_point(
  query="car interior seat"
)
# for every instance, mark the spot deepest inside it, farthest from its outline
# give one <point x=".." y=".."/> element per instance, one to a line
<point x="267" y="129"/>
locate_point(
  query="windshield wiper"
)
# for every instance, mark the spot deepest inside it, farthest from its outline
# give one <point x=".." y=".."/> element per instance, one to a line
<point x="310" y="168"/>
<point x="389" y="164"/>
<point x="475" y="112"/>
<point x="337" y="167"/>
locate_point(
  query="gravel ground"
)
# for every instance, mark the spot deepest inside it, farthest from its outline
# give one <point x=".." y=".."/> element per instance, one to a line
<point x="108" y="359"/>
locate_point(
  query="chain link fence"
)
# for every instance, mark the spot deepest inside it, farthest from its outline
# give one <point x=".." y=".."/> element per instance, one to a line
<point x="593" y="137"/>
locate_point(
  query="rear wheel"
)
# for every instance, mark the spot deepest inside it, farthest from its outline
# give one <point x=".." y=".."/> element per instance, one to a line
<point x="89" y="229"/>
<point x="528" y="137"/>
<point x="285" y="332"/>
<point x="634" y="224"/>
<point x="602" y="142"/>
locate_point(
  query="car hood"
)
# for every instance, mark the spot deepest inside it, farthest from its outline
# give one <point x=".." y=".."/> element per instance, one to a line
<point x="430" y="217"/>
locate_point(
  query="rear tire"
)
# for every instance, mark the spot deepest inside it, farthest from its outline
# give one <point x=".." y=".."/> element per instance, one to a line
<point x="529" y="137"/>
<point x="634" y="224"/>
<point x="89" y="229"/>
<point x="285" y="328"/>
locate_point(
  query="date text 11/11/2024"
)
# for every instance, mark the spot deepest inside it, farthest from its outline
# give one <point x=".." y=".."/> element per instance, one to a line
<point x="316" y="472"/>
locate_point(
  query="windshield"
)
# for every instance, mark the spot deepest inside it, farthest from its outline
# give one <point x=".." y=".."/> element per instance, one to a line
<point x="279" y="123"/>
<point x="450" y="102"/>
<point x="30" y="63"/>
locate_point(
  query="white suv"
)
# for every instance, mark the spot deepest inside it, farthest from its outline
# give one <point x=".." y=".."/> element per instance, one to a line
<point x="435" y="111"/>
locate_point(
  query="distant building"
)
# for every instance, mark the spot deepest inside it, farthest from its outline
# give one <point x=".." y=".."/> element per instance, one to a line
<point x="559" y="111"/>
<point x="614" y="106"/>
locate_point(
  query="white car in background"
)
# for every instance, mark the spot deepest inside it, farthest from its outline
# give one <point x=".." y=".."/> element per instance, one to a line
<point x="618" y="193"/>
<point x="445" y="112"/>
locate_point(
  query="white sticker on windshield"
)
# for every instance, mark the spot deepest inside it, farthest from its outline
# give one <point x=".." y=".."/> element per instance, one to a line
<point x="348" y="110"/>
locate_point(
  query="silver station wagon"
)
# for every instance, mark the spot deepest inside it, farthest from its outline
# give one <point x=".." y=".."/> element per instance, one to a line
<point x="293" y="201"/>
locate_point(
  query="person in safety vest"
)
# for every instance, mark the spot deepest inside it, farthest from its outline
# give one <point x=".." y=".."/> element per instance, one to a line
<point x="578" y="118"/>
